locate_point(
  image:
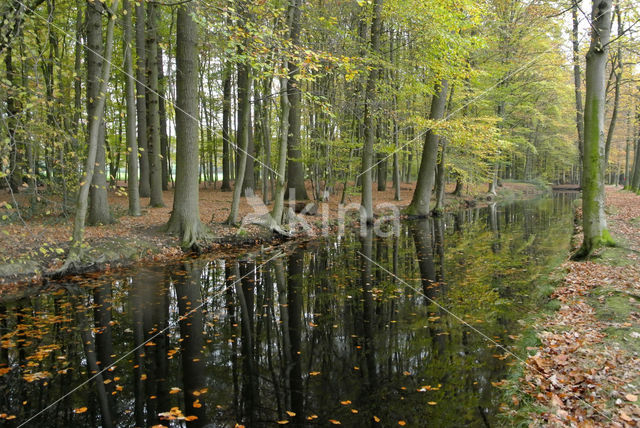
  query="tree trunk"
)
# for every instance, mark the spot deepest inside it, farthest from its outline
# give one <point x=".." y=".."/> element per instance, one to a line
<point x="635" y="182"/>
<point x="616" y="99"/>
<point x="153" y="111"/>
<point x="15" y="164"/>
<point x="132" y="143"/>
<point x="162" y="110"/>
<point x="99" y="207"/>
<point x="242" y="136"/>
<point x="226" y="121"/>
<point x="426" y="175"/>
<point x="141" y="91"/>
<point x="577" y="83"/>
<point x="369" y="101"/>
<point x="92" y="143"/>
<point x="593" y="195"/>
<point x="295" y="170"/>
<point x="278" y="198"/>
<point x="185" y="217"/>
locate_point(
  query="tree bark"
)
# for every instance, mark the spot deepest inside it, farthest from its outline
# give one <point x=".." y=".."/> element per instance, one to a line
<point x="242" y="137"/>
<point x="15" y="164"/>
<point x="593" y="196"/>
<point x="185" y="217"/>
<point x="426" y="175"/>
<point x="99" y="212"/>
<point x="153" y="111"/>
<point x="226" y="121"/>
<point x="577" y="83"/>
<point x="369" y="132"/>
<point x="93" y="142"/>
<point x="295" y="170"/>
<point x="278" y="198"/>
<point x="141" y="91"/>
<point x="635" y="182"/>
<point x="616" y="99"/>
<point x="162" y="110"/>
<point x="132" y="143"/>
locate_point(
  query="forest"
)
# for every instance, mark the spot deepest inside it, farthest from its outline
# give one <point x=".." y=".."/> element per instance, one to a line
<point x="286" y="170"/>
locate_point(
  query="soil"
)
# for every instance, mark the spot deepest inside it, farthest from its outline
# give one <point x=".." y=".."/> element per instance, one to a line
<point x="34" y="247"/>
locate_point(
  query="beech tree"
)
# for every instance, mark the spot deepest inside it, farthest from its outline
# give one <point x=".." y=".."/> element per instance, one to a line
<point x="185" y="217"/>
<point x="594" y="220"/>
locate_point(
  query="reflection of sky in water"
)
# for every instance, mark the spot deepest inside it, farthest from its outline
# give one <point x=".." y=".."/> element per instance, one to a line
<point x="315" y="335"/>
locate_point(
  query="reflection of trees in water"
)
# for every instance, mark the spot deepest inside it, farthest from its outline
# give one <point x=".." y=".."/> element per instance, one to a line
<point x="191" y="324"/>
<point x="321" y="309"/>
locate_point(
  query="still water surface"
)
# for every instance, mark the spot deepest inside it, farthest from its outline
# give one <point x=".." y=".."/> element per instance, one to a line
<point x="319" y="333"/>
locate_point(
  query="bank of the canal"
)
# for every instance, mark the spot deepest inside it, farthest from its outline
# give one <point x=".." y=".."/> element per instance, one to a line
<point x="33" y="249"/>
<point x="583" y="367"/>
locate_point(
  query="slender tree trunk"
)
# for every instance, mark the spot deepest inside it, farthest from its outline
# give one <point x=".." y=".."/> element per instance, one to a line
<point x="15" y="164"/>
<point x="426" y="175"/>
<point x="242" y="134"/>
<point x="99" y="212"/>
<point x="226" y="121"/>
<point x="295" y="170"/>
<point x="93" y="142"/>
<point x="141" y="107"/>
<point x="132" y="143"/>
<point x="266" y="142"/>
<point x="369" y="131"/>
<point x="577" y="78"/>
<point x="593" y="196"/>
<point x="153" y="112"/>
<point x="162" y="110"/>
<point x="635" y="182"/>
<point x="396" y="144"/>
<point x="278" y="198"/>
<point x="616" y="99"/>
<point x="185" y="217"/>
<point x="441" y="168"/>
<point x="626" y="151"/>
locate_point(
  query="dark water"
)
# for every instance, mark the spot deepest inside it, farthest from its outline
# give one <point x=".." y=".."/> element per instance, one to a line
<point x="324" y="332"/>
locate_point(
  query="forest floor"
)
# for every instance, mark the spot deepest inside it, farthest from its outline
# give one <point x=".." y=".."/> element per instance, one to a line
<point x="586" y="368"/>
<point x="33" y="247"/>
